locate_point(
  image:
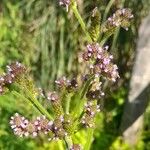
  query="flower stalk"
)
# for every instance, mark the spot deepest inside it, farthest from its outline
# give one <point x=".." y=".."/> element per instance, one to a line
<point x="80" y="20"/>
<point x="35" y="103"/>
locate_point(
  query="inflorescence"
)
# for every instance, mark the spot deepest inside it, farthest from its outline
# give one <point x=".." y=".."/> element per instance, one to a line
<point x="121" y="17"/>
<point x="23" y="127"/>
<point x="14" y="70"/>
<point x="100" y="61"/>
<point x="100" y="65"/>
<point x="54" y="129"/>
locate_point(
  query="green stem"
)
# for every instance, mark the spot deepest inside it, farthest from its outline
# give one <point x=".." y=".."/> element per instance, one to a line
<point x="68" y="99"/>
<point x="117" y="31"/>
<point x="115" y="37"/>
<point x="108" y="9"/>
<point x="86" y="86"/>
<point x="106" y="36"/>
<point x="68" y="142"/>
<point x="79" y="106"/>
<point x="103" y="41"/>
<point x="80" y="20"/>
<point x="35" y="103"/>
<point x="89" y="139"/>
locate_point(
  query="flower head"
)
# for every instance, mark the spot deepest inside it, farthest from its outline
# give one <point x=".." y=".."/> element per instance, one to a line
<point x="23" y="127"/>
<point x="90" y="110"/>
<point x="67" y="84"/>
<point x="100" y="61"/>
<point x="14" y="70"/>
<point x="121" y="18"/>
<point x="18" y="124"/>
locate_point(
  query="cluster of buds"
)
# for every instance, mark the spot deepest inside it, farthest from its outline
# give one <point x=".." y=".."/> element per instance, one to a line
<point x="58" y="129"/>
<point x="95" y="92"/>
<point x="56" y="103"/>
<point x="64" y="120"/>
<point x="121" y="18"/>
<point x="90" y="110"/>
<point x="101" y="61"/>
<point x="64" y="3"/>
<point x="13" y="71"/>
<point x="22" y="127"/>
<point x="69" y="124"/>
<point x="69" y="85"/>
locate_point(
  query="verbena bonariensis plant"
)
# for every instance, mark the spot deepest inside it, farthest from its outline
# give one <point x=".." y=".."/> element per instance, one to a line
<point x="75" y="104"/>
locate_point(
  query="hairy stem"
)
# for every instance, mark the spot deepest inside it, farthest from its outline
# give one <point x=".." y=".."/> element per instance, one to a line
<point x="80" y="20"/>
<point x="35" y="103"/>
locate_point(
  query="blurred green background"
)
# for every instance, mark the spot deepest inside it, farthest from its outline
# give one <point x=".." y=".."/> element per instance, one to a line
<point x="40" y="34"/>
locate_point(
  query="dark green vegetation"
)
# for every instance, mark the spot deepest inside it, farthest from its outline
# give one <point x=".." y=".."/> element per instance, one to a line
<point x="45" y="38"/>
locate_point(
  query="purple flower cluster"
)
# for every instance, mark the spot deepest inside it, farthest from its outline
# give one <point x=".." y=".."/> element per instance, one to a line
<point x="22" y="127"/>
<point x="121" y="18"/>
<point x="67" y="84"/>
<point x="64" y="3"/>
<point x="13" y="71"/>
<point x="90" y="110"/>
<point x="100" y="61"/>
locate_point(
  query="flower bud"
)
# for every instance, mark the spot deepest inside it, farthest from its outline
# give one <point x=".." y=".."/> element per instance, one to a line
<point x="95" y="24"/>
<point x="56" y="103"/>
<point x="68" y="124"/>
<point x="58" y="129"/>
